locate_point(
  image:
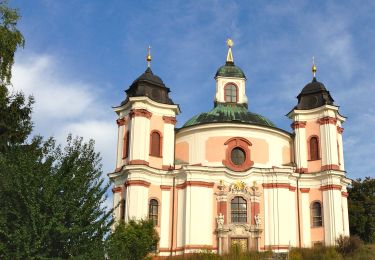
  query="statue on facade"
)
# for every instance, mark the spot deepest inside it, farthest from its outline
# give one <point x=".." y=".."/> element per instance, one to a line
<point x="220" y="221"/>
<point x="258" y="220"/>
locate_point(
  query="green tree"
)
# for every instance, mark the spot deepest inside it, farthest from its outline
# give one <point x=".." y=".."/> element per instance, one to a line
<point x="133" y="240"/>
<point x="50" y="197"/>
<point x="15" y="110"/>
<point x="361" y="203"/>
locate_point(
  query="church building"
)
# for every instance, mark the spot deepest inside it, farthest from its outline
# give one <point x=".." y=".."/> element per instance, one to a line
<point x="230" y="176"/>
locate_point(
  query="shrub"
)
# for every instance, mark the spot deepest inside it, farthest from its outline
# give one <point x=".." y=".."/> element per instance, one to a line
<point x="348" y="245"/>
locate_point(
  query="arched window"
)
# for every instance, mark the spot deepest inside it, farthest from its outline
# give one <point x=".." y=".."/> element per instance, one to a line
<point x="230" y="92"/>
<point x="314" y="149"/>
<point x="125" y="151"/>
<point x="316" y="213"/>
<point x="122" y="209"/>
<point x="153" y="211"/>
<point x="239" y="210"/>
<point x="155" y="145"/>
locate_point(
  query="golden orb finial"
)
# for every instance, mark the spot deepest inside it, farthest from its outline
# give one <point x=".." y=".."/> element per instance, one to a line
<point x="149" y="58"/>
<point x="313" y="69"/>
<point x="230" y="55"/>
<point x="230" y="43"/>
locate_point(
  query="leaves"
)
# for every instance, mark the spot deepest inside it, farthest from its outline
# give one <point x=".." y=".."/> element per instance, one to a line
<point x="361" y="203"/>
<point x="133" y="240"/>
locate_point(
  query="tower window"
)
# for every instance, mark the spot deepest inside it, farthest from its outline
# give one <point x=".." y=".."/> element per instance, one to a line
<point x="239" y="210"/>
<point x="153" y="211"/>
<point x="314" y="148"/>
<point x="155" y="146"/>
<point x="316" y="213"/>
<point x="230" y="92"/>
<point x="122" y="209"/>
<point x="125" y="151"/>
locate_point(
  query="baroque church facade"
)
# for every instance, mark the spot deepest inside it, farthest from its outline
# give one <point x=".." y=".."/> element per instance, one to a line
<point x="230" y="176"/>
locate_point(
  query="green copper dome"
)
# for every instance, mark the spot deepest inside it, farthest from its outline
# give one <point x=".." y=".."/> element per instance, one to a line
<point x="229" y="113"/>
<point x="230" y="70"/>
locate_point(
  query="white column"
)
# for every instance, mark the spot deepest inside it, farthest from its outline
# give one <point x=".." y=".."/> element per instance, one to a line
<point x="300" y="144"/>
<point x="116" y="200"/>
<point x="136" y="202"/>
<point x="341" y="151"/>
<point x="120" y="145"/>
<point x="305" y="219"/>
<point x="292" y="206"/>
<point x="345" y="216"/>
<point x="284" y="208"/>
<point x="168" y="144"/>
<point x="165" y="218"/>
<point x="333" y="218"/>
<point x="140" y="138"/>
<point x="181" y="223"/>
<point x="328" y="133"/>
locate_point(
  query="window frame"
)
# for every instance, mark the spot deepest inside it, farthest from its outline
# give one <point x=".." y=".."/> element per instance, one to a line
<point x="242" y="143"/>
<point x="160" y="144"/>
<point x="313" y="216"/>
<point x="238" y="214"/>
<point x="310" y="150"/>
<point x="151" y="215"/>
<point x="226" y="86"/>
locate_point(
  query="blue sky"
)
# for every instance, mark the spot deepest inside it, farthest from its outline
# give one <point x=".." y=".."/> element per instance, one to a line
<point x="80" y="56"/>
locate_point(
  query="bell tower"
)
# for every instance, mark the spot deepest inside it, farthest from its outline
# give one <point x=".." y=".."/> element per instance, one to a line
<point x="318" y="150"/>
<point x="230" y="81"/>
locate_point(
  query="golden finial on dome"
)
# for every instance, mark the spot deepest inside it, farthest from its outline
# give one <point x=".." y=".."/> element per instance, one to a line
<point x="313" y="69"/>
<point x="149" y="57"/>
<point x="230" y="55"/>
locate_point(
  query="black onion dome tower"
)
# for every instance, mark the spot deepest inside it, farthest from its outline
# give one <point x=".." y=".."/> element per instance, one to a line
<point x="149" y="85"/>
<point x="314" y="94"/>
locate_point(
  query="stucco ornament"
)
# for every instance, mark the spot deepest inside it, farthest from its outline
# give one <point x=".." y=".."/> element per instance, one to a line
<point x="220" y="221"/>
<point x="258" y="220"/>
<point x="238" y="186"/>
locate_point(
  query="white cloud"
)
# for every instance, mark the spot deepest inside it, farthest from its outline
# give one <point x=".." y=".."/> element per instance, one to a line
<point x="65" y="105"/>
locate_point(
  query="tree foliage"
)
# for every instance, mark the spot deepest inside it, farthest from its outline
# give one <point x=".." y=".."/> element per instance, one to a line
<point x="50" y="203"/>
<point x="133" y="240"/>
<point x="51" y="197"/>
<point x="361" y="203"/>
<point x="10" y="39"/>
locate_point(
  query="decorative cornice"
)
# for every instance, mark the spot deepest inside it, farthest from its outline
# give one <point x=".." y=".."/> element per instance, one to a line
<point x="165" y="187"/>
<point x="344" y="194"/>
<point x="121" y="121"/>
<point x="196" y="247"/>
<point x="169" y="120"/>
<point x="302" y="170"/>
<point x="304" y="190"/>
<point x="330" y="187"/>
<point x="291" y="188"/>
<point x="118" y="169"/>
<point x="116" y="189"/>
<point x="298" y="124"/>
<point x="327" y="120"/>
<point x="168" y="167"/>
<point x="137" y="183"/>
<point x="195" y="184"/>
<point x="138" y="162"/>
<point x="276" y="185"/>
<point x="140" y="113"/>
<point x="330" y="167"/>
<point x="340" y="130"/>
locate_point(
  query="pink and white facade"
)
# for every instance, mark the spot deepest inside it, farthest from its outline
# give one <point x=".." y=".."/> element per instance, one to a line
<point x="230" y="176"/>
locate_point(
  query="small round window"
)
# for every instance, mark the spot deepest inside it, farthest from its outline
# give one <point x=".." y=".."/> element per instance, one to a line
<point x="238" y="156"/>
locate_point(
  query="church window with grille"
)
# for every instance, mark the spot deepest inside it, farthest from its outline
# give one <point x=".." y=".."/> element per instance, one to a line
<point x="316" y="213"/>
<point x="153" y="211"/>
<point x="239" y="210"/>
<point x="230" y="93"/>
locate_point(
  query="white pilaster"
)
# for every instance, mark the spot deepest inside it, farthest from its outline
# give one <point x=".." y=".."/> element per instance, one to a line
<point x="305" y="219"/>
<point x="333" y="216"/>
<point x="140" y="138"/>
<point x="345" y="216"/>
<point x="168" y="145"/>
<point x="165" y="219"/>
<point x="328" y="133"/>
<point x="137" y="206"/>
<point x="300" y="145"/>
